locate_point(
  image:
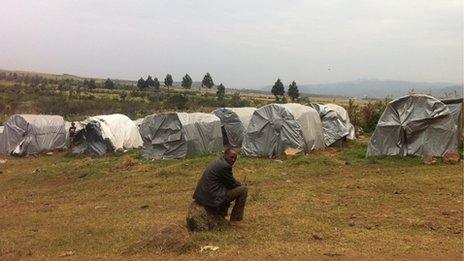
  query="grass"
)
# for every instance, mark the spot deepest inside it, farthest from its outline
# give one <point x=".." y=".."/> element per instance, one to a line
<point x="333" y="203"/>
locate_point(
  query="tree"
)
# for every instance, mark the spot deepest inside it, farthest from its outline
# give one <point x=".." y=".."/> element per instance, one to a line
<point x="278" y="89"/>
<point x="221" y="91"/>
<point x="109" y="84"/>
<point x="141" y="83"/>
<point x="92" y="85"/>
<point x="293" y="91"/>
<point x="156" y="84"/>
<point x="149" y="82"/>
<point x="168" y="80"/>
<point x="86" y="83"/>
<point x="187" y="81"/>
<point x="207" y="81"/>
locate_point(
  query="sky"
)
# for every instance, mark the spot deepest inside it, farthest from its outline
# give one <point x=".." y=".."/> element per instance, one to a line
<point x="243" y="44"/>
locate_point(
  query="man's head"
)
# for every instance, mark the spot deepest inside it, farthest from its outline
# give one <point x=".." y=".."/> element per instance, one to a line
<point x="73" y="124"/>
<point x="230" y="156"/>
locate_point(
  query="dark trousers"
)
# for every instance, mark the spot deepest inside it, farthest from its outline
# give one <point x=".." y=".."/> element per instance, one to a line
<point x="239" y="195"/>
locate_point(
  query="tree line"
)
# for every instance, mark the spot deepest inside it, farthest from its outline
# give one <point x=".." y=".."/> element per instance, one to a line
<point x="186" y="83"/>
<point x="278" y="91"/>
<point x="150" y="83"/>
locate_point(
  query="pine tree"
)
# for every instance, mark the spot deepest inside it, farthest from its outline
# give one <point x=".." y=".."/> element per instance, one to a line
<point x="187" y="81"/>
<point x="109" y="84"/>
<point x="278" y="89"/>
<point x="207" y="81"/>
<point x="156" y="84"/>
<point x="92" y="84"/>
<point x="293" y="91"/>
<point x="149" y="82"/>
<point x="168" y="80"/>
<point x="141" y="83"/>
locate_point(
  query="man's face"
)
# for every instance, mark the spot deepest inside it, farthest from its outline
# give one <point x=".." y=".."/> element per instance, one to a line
<point x="231" y="157"/>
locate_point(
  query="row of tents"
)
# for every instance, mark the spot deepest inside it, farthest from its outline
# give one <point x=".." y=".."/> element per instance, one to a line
<point x="411" y="125"/>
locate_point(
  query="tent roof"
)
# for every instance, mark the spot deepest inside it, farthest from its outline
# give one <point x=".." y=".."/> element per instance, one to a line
<point x="39" y="120"/>
<point x="414" y="125"/>
<point x="196" y="117"/>
<point x="119" y="129"/>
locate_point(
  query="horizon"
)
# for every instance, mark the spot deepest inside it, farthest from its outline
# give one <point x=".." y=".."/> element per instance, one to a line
<point x="241" y="44"/>
<point x="257" y="88"/>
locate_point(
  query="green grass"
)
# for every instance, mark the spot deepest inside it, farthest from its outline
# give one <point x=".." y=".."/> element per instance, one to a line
<point x="358" y="207"/>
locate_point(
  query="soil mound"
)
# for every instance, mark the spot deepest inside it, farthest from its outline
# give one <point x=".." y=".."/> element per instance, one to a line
<point x="200" y="218"/>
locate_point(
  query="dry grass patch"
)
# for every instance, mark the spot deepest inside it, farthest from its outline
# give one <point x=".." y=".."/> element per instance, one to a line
<point x="314" y="206"/>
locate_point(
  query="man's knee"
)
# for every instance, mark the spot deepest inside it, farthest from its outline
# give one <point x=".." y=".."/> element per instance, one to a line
<point x="243" y="191"/>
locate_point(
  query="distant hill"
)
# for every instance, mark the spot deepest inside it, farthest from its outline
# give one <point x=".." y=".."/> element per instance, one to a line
<point x="379" y="89"/>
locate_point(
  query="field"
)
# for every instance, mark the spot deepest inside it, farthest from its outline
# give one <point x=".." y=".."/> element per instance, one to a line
<point x="331" y="204"/>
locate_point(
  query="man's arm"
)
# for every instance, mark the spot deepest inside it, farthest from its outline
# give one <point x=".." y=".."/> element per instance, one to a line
<point x="228" y="179"/>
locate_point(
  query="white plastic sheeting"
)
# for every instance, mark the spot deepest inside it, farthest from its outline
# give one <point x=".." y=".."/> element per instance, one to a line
<point x="106" y="133"/>
<point x="27" y="134"/>
<point x="417" y="125"/>
<point x="138" y="122"/>
<point x="180" y="135"/>
<point x="275" y="128"/>
<point x="234" y="122"/>
<point x="345" y="118"/>
<point x="336" y="123"/>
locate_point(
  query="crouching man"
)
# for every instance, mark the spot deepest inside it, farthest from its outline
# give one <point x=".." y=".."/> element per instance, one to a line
<point x="217" y="188"/>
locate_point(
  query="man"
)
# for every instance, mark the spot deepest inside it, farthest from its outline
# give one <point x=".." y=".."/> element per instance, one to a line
<point x="72" y="134"/>
<point x="217" y="188"/>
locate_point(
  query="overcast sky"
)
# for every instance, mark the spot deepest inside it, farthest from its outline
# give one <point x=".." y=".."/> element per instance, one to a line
<point x="241" y="43"/>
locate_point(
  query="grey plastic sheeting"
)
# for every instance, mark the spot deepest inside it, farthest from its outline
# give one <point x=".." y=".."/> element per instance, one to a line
<point x="335" y="123"/>
<point x="180" y="135"/>
<point x="90" y="141"/>
<point x="418" y="125"/>
<point x="275" y="128"/>
<point x="233" y="123"/>
<point x="455" y="107"/>
<point x="32" y="134"/>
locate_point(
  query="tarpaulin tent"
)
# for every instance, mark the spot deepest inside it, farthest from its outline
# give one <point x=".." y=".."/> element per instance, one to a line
<point x="336" y="123"/>
<point x="276" y="128"/>
<point x="1" y="133"/>
<point x="234" y="122"/>
<point x="455" y="107"/>
<point x="180" y="135"/>
<point x="67" y="125"/>
<point x="27" y="134"/>
<point x="138" y="122"/>
<point x="417" y="125"/>
<point x="107" y="133"/>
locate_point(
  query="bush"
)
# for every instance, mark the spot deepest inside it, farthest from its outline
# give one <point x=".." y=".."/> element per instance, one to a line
<point x="177" y="101"/>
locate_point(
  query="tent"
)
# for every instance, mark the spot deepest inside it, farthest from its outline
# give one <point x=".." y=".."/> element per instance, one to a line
<point x="276" y="129"/>
<point x="234" y="122"/>
<point x="336" y="123"/>
<point x="180" y="135"/>
<point x="455" y="107"/>
<point x="138" y="122"/>
<point x="67" y="125"/>
<point x="1" y="132"/>
<point x="107" y="133"/>
<point x="28" y="134"/>
<point x="417" y="125"/>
